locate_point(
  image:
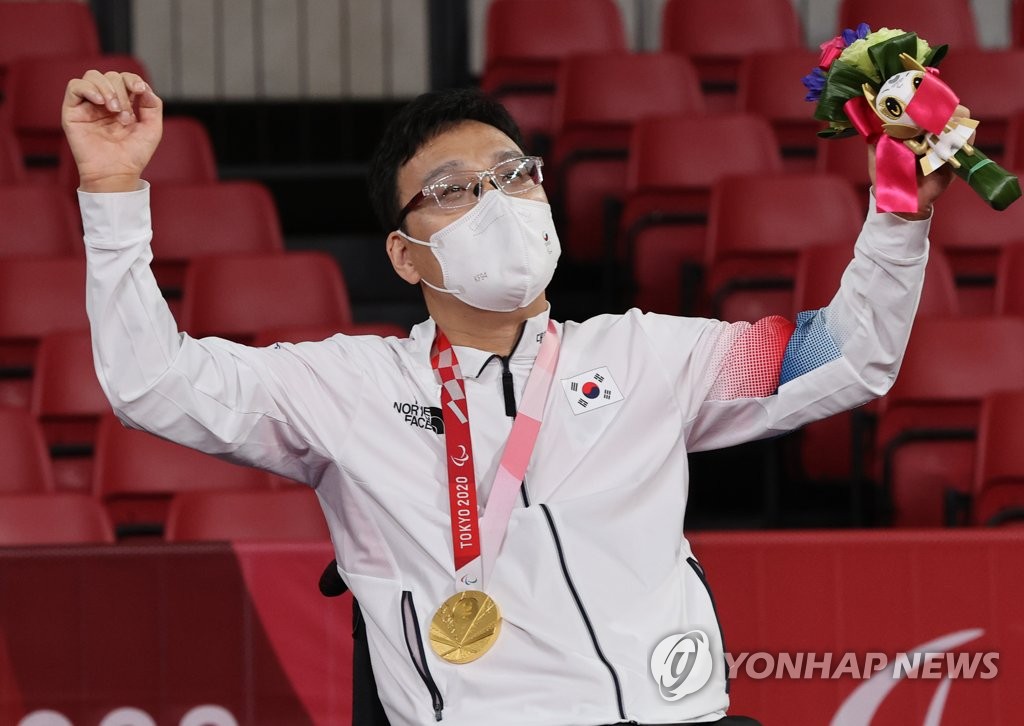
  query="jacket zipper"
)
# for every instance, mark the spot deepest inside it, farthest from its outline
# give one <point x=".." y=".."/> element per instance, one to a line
<point x="583" y="613"/>
<point x="699" y="570"/>
<point x="414" y="642"/>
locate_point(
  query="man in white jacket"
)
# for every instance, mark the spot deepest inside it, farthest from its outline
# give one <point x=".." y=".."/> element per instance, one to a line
<point x="505" y="493"/>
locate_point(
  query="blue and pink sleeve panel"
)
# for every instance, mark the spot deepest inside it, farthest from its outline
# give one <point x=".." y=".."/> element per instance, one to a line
<point x="758" y="358"/>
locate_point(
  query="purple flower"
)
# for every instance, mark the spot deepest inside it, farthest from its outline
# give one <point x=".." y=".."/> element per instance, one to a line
<point x="851" y="36"/>
<point x="814" y="82"/>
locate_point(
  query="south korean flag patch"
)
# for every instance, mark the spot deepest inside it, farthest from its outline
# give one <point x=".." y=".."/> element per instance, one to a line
<point x="591" y="390"/>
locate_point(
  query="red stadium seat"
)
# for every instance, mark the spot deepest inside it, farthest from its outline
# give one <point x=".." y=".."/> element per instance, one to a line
<point x="820" y="268"/>
<point x="717" y="42"/>
<point x="34" y="29"/>
<point x="999" y="472"/>
<point x="37" y="296"/>
<point x="1009" y="296"/>
<point x="973" y="235"/>
<point x="214" y="218"/>
<point x="1014" y="154"/>
<point x="69" y="402"/>
<point x="758" y="225"/>
<point x="526" y="40"/>
<point x="12" y="166"/>
<point x="826" y="446"/>
<point x="53" y="519"/>
<point x="766" y="87"/>
<point x="1018" y="24"/>
<point x="290" y="514"/>
<point x="847" y="158"/>
<point x="26" y="467"/>
<point x="983" y="79"/>
<point x="598" y="100"/>
<point x="185" y="155"/>
<point x="237" y="296"/>
<point x="937" y="21"/>
<point x="38" y="221"/>
<point x="30" y="110"/>
<point x="673" y="162"/>
<point x="136" y="474"/>
<point x="928" y="423"/>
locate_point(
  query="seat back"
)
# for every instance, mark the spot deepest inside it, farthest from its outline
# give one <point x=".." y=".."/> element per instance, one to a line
<point x="185" y="155"/>
<point x="820" y="269"/>
<point x="766" y="88"/>
<point x="928" y="424"/>
<point x="541" y="30"/>
<point x="214" y="218"/>
<point x="847" y="158"/>
<point x="717" y="42"/>
<point x="37" y="296"/>
<point x="598" y="100"/>
<point x="136" y="474"/>
<point x="33" y="29"/>
<point x="289" y="514"/>
<point x="937" y="21"/>
<point x="53" y="519"/>
<point x="757" y="226"/>
<point x="1014" y="153"/>
<point x="236" y="296"/>
<point x="26" y="466"/>
<point x="983" y="79"/>
<point x="68" y="402"/>
<point x="974" y="235"/>
<point x="526" y="40"/>
<point x="12" y="167"/>
<point x="38" y="221"/>
<point x="1009" y="295"/>
<point x="668" y="188"/>
<point x="1017" y="32"/>
<point x="32" y="84"/>
<point x="999" y="471"/>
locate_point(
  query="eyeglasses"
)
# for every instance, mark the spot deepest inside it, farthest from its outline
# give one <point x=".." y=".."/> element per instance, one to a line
<point x="464" y="188"/>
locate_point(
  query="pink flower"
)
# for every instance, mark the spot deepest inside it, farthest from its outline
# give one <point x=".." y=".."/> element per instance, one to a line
<point x="830" y="50"/>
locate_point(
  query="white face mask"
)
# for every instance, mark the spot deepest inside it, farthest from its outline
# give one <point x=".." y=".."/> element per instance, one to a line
<point x="498" y="256"/>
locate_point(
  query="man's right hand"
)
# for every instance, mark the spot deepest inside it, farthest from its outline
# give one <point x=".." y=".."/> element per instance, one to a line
<point x="113" y="122"/>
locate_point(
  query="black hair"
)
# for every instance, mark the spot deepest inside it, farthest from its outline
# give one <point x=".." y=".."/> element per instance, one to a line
<point x="419" y="121"/>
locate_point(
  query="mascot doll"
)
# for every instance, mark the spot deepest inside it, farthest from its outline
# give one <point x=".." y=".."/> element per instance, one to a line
<point x="886" y="87"/>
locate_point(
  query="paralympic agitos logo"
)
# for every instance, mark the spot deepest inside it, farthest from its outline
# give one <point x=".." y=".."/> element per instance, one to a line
<point x="424" y="417"/>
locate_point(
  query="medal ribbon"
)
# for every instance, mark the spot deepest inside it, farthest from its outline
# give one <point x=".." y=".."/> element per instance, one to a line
<point x="474" y="561"/>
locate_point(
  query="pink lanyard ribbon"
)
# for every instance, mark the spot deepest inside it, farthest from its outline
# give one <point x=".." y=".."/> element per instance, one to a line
<point x="475" y="540"/>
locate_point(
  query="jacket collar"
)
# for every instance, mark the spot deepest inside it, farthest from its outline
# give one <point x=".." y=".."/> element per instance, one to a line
<point x="474" y="361"/>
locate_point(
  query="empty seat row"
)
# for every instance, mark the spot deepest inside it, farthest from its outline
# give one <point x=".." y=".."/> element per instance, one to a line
<point x="291" y="514"/>
<point x="185" y="155"/>
<point x="238" y="296"/>
<point x="526" y="39"/>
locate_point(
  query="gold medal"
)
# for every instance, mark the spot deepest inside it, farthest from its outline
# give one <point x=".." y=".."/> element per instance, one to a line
<point x="465" y="626"/>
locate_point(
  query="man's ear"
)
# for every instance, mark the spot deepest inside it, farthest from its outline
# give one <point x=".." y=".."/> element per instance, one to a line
<point x="401" y="259"/>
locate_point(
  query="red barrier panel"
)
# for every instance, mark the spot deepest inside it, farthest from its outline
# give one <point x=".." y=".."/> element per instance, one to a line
<point x="877" y="592"/>
<point x="168" y="629"/>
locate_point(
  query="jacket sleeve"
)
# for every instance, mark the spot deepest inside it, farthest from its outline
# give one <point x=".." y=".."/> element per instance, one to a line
<point x="741" y="381"/>
<point x="264" y="407"/>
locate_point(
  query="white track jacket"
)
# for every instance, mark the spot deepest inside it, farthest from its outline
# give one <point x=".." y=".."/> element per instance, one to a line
<point x="595" y="570"/>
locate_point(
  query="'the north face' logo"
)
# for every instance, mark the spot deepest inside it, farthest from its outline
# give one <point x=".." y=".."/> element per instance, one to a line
<point x="424" y="417"/>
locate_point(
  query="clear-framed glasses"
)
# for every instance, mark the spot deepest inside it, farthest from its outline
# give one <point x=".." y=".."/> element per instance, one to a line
<point x="464" y="188"/>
